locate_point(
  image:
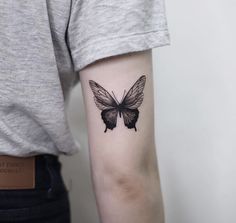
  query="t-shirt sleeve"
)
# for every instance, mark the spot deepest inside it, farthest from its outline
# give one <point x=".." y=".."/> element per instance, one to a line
<point x="102" y="28"/>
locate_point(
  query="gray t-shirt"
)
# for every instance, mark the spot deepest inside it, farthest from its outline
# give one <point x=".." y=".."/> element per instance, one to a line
<point x="43" y="46"/>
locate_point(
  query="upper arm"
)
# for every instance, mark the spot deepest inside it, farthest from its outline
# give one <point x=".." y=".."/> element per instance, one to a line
<point x="120" y="149"/>
<point x="110" y="45"/>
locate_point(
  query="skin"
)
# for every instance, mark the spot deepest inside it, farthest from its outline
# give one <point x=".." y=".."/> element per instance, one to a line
<point x="123" y="161"/>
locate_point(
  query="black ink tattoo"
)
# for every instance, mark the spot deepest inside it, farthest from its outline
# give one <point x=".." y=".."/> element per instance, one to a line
<point x="128" y="106"/>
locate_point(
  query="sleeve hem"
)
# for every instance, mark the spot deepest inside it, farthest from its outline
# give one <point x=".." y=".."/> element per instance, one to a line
<point x="107" y="47"/>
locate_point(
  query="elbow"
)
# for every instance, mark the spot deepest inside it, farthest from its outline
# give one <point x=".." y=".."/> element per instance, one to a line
<point x="134" y="187"/>
<point x="129" y="187"/>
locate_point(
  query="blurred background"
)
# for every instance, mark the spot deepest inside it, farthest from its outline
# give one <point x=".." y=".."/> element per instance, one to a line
<point x="195" y="101"/>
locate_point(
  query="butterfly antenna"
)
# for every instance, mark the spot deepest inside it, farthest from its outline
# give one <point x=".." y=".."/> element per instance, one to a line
<point x="115" y="98"/>
<point x="123" y="95"/>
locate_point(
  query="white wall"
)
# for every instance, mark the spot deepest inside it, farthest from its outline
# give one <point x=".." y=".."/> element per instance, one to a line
<point x="195" y="84"/>
<point x="196" y="112"/>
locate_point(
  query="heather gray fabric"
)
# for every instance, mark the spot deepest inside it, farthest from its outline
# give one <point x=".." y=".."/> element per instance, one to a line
<point x="43" y="46"/>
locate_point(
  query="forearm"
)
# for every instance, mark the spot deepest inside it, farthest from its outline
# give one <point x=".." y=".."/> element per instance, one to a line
<point x="123" y="158"/>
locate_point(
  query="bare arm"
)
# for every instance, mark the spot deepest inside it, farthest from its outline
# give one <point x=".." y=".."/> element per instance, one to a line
<point x="123" y="160"/>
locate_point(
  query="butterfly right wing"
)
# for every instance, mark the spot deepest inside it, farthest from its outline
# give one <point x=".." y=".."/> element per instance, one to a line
<point x="131" y="102"/>
<point x="134" y="97"/>
<point x="105" y="102"/>
<point x="130" y="117"/>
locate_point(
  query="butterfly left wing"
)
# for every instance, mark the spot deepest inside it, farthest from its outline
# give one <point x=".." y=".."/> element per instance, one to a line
<point x="105" y="102"/>
<point x="131" y="102"/>
<point x="109" y="117"/>
<point x="102" y="98"/>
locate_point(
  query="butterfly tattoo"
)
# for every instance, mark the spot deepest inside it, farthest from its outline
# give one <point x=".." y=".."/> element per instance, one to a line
<point x="111" y="107"/>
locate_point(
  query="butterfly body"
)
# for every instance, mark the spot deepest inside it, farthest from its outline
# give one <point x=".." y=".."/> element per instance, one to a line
<point x="109" y="117"/>
<point x="127" y="108"/>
